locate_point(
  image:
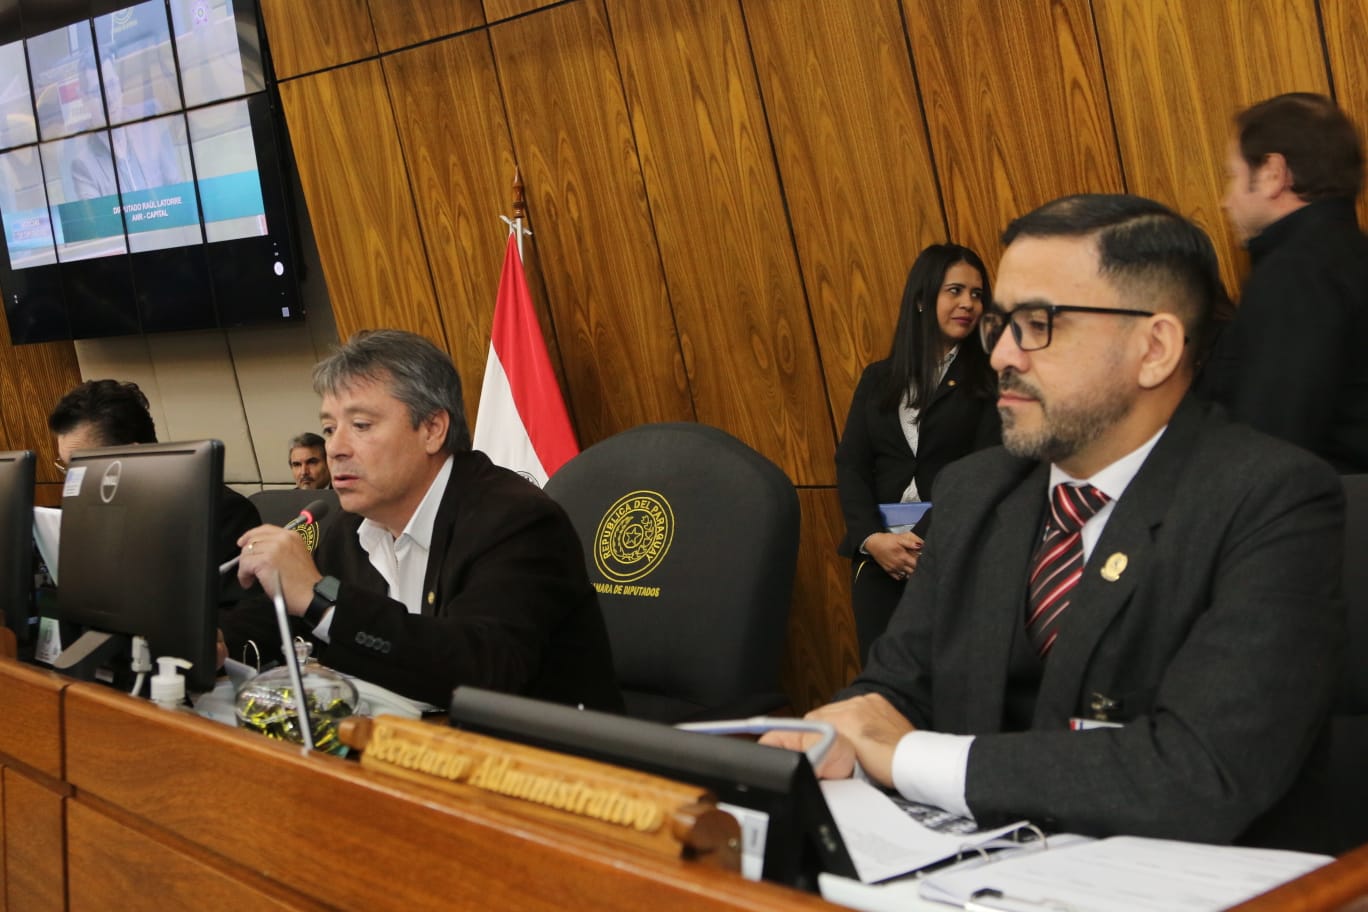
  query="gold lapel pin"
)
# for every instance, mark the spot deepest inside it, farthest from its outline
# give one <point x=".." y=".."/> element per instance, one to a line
<point x="432" y="598"/>
<point x="1114" y="567"/>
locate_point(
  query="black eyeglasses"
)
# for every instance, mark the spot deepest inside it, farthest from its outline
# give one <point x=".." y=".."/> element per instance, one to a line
<point x="1033" y="324"/>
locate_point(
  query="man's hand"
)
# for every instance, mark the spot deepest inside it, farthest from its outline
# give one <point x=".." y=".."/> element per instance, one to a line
<point x="267" y="549"/>
<point x="896" y="552"/>
<point x="868" y="729"/>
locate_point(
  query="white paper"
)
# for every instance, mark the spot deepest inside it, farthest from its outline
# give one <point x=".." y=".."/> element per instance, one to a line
<point x="883" y="841"/>
<point x="47" y="532"/>
<point x="1129" y="874"/>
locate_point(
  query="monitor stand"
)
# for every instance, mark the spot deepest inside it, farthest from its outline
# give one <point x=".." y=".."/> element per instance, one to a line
<point x="92" y="651"/>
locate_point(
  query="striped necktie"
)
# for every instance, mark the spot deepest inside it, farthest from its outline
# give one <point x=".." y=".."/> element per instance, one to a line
<point x="1057" y="565"/>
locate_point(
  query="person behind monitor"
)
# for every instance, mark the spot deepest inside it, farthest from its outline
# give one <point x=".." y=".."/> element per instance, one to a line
<point x="1291" y="362"/>
<point x="925" y="405"/>
<point x="1162" y="671"/>
<point x="103" y="413"/>
<point x="445" y="569"/>
<point x="309" y="462"/>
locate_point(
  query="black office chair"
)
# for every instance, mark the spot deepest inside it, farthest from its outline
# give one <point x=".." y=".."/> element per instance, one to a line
<point x="691" y="538"/>
<point x="279" y="506"/>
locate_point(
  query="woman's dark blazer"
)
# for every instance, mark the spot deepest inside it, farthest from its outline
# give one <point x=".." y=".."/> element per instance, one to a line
<point x="874" y="464"/>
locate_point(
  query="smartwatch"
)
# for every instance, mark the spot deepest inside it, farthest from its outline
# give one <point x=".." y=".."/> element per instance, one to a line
<point x="324" y="598"/>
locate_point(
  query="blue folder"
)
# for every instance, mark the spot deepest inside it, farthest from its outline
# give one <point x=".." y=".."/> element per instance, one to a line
<point x="899" y="517"/>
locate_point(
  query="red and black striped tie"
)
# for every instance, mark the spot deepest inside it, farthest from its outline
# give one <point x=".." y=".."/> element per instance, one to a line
<point x="1057" y="565"/>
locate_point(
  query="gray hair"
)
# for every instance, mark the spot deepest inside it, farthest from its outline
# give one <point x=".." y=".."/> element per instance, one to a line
<point x="420" y="375"/>
<point x="308" y="440"/>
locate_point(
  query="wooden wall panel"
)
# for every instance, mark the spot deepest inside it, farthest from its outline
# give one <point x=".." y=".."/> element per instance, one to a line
<point x="821" y="655"/>
<point x="35" y="876"/>
<point x="857" y="173"/>
<point x="1173" y="99"/>
<point x="1346" y="44"/>
<point x="734" y="285"/>
<point x="456" y="141"/>
<point x="623" y="365"/>
<point x="317" y="34"/>
<point x="400" y="23"/>
<point x="32" y="379"/>
<point x="496" y="10"/>
<point x="356" y="183"/>
<point x="109" y="864"/>
<point x="1016" y="106"/>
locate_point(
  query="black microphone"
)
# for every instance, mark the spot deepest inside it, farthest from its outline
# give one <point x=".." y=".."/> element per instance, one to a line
<point x="312" y="513"/>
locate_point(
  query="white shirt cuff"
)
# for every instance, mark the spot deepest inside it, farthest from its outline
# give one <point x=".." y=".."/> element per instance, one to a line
<point x="325" y="626"/>
<point x="929" y="767"/>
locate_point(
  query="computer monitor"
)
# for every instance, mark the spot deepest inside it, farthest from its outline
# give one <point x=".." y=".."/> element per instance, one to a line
<point x="137" y="555"/>
<point x="801" y="839"/>
<point x="16" y="544"/>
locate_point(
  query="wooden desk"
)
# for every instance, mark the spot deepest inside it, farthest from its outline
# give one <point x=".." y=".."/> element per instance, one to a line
<point x="180" y="812"/>
<point x="110" y="802"/>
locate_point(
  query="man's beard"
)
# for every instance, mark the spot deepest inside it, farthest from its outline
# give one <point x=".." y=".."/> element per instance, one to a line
<point x="1065" y="428"/>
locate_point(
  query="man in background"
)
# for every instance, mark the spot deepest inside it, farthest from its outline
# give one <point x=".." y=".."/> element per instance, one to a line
<point x="309" y="462"/>
<point x="445" y="569"/>
<point x="1125" y="619"/>
<point x="1292" y="362"/>
<point x="102" y="413"/>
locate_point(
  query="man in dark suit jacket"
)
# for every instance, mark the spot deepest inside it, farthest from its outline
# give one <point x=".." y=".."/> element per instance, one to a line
<point x="448" y="570"/>
<point x="1183" y="684"/>
<point x="1291" y="362"/>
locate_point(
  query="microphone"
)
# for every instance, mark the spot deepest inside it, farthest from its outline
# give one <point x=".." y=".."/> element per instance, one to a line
<point x="312" y="513"/>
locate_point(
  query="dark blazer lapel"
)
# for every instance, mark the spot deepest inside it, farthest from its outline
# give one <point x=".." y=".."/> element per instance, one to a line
<point x="954" y="376"/>
<point x="1122" y="557"/>
<point x="443" y="527"/>
<point x="995" y="605"/>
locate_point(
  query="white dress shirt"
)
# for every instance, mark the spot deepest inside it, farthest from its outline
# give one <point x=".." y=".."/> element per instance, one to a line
<point x="402" y="561"/>
<point x="930" y="767"/>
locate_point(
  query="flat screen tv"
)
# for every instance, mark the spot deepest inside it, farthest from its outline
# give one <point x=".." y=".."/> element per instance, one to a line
<point x="16" y="545"/>
<point x="138" y="555"/>
<point x="141" y="169"/>
<point x="801" y="839"/>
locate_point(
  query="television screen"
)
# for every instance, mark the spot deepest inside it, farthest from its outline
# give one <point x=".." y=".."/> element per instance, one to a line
<point x="138" y="555"/>
<point x="776" y="785"/>
<point x="141" y="158"/>
<point x="16" y="545"/>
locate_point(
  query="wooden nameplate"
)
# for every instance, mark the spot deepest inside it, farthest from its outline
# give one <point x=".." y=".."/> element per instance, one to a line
<point x="639" y="809"/>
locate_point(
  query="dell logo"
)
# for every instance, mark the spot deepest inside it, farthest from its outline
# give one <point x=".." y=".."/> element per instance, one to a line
<point x="109" y="482"/>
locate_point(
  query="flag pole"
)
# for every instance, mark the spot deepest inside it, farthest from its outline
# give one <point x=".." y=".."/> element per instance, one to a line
<point x="515" y="224"/>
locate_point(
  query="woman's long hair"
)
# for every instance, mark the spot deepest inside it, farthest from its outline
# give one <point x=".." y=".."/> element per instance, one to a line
<point x="915" y="357"/>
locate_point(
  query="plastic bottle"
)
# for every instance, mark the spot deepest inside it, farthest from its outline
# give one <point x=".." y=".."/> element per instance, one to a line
<point x="168" y="685"/>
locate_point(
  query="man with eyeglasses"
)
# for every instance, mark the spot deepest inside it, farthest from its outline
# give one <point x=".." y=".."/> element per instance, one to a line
<point x="1125" y="619"/>
<point x="102" y="413"/>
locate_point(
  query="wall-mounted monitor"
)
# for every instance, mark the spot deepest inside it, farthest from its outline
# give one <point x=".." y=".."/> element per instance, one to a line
<point x="141" y="169"/>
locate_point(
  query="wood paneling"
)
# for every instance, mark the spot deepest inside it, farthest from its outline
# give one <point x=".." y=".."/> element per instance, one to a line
<point x="1172" y="138"/>
<point x="356" y="183"/>
<point x="857" y="174"/>
<point x="734" y="285"/>
<point x="400" y="23"/>
<point x="32" y="379"/>
<point x="496" y="10"/>
<point x="1016" y="106"/>
<point x="31" y="715"/>
<point x="623" y="364"/>
<point x="109" y="864"/>
<point x="821" y="656"/>
<point x="320" y="33"/>
<point x="35" y="878"/>
<point x="455" y="136"/>
<point x="1346" y="38"/>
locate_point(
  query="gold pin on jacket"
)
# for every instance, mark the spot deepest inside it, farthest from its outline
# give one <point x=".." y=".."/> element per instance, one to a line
<point x="1114" y="567"/>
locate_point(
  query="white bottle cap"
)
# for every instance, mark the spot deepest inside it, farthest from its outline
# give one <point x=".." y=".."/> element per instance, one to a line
<point x="168" y="686"/>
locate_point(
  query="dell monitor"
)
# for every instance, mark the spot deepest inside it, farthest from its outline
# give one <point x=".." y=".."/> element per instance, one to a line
<point x="138" y="555"/>
<point x="16" y="545"/>
<point x="801" y="839"/>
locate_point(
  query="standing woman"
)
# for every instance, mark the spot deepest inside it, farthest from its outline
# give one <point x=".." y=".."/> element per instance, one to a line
<point x="929" y="403"/>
